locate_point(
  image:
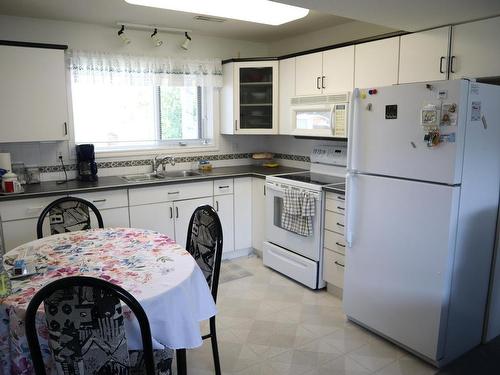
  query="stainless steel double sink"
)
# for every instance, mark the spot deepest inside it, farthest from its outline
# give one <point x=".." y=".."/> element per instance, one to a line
<point x="142" y="177"/>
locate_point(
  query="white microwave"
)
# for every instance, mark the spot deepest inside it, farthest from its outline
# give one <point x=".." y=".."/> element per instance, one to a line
<point x="321" y="115"/>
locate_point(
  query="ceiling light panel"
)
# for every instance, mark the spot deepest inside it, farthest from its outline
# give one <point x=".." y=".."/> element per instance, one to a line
<point x="258" y="11"/>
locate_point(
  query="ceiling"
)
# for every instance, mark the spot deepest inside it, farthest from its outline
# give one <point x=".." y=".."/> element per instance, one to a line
<point x="410" y="15"/>
<point x="108" y="12"/>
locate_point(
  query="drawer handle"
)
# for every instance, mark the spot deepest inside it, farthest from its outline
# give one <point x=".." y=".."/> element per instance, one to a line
<point x="340" y="225"/>
<point x="99" y="200"/>
<point x="339" y="244"/>
<point x="339" y="264"/>
<point x="340" y="198"/>
<point x="224" y="187"/>
<point x="340" y="208"/>
<point x="173" y="192"/>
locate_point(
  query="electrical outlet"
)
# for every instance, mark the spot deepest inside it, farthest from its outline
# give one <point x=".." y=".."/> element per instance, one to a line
<point x="59" y="155"/>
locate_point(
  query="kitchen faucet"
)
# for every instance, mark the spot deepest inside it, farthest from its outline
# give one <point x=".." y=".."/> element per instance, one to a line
<point x="159" y="160"/>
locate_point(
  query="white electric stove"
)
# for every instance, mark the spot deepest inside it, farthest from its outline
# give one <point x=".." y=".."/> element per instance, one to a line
<point x="296" y="256"/>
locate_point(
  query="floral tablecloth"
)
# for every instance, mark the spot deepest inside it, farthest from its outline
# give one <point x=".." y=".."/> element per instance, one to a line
<point x="159" y="273"/>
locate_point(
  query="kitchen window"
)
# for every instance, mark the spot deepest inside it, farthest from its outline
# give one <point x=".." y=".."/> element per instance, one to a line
<point x="134" y="103"/>
<point x="114" y="117"/>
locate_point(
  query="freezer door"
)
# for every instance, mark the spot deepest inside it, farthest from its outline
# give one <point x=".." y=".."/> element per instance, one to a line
<point x="387" y="138"/>
<point x="398" y="266"/>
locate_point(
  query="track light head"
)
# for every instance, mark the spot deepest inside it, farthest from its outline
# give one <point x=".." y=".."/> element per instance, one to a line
<point x="187" y="42"/>
<point x="157" y="42"/>
<point x="122" y="36"/>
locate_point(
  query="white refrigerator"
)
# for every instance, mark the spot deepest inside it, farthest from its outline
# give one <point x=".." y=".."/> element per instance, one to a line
<point x="422" y="201"/>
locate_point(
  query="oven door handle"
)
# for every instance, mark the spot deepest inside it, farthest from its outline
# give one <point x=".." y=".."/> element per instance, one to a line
<point x="270" y="186"/>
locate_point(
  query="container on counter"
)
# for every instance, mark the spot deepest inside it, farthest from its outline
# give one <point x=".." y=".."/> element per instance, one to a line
<point x="32" y="174"/>
<point x="10" y="184"/>
<point x="20" y="170"/>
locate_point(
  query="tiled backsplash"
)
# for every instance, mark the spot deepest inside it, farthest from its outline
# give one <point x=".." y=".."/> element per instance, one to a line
<point x="178" y="159"/>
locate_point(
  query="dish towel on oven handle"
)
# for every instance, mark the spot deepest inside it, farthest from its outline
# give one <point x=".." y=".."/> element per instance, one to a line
<point x="298" y="210"/>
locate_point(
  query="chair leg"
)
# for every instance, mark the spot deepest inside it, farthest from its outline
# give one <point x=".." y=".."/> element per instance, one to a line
<point x="215" y="349"/>
<point x="181" y="361"/>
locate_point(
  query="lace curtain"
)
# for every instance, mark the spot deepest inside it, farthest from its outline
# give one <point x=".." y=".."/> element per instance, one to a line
<point x="100" y="67"/>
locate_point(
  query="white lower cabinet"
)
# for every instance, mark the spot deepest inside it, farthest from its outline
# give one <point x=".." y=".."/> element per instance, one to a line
<point x="223" y="204"/>
<point x="113" y="206"/>
<point x="243" y="213"/>
<point x="334" y="242"/>
<point x="258" y="212"/>
<point x="183" y="210"/>
<point x="19" y="219"/>
<point x="154" y="216"/>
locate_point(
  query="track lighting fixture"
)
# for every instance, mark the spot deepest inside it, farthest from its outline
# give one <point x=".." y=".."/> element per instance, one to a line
<point x="123" y="37"/>
<point x="157" y="42"/>
<point x="185" y="45"/>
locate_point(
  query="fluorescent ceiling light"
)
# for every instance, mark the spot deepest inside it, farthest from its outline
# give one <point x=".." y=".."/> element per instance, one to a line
<point x="259" y="11"/>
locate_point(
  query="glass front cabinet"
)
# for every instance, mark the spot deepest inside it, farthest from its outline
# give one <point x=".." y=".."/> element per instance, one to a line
<point x="250" y="98"/>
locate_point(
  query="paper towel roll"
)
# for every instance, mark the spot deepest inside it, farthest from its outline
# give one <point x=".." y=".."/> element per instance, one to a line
<point x="5" y="161"/>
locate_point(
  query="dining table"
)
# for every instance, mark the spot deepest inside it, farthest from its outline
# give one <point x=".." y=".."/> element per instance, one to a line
<point x="157" y="271"/>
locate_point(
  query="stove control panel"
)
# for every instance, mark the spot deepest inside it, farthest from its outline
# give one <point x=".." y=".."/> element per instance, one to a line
<point x="335" y="154"/>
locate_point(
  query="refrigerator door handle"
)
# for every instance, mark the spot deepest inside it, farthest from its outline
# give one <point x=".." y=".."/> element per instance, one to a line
<point x="349" y="209"/>
<point x="351" y="129"/>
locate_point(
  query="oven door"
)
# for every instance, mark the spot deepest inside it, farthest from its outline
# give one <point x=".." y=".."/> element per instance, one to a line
<point x="307" y="246"/>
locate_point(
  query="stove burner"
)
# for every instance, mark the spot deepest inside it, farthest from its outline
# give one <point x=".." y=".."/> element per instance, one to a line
<point x="314" y="178"/>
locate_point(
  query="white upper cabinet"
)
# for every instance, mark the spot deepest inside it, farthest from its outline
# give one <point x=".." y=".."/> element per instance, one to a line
<point x="424" y="56"/>
<point x="338" y="70"/>
<point x="250" y="98"/>
<point x="476" y="49"/>
<point x="33" y="101"/>
<point x="325" y="72"/>
<point x="286" y="92"/>
<point x="376" y="63"/>
<point x="308" y="73"/>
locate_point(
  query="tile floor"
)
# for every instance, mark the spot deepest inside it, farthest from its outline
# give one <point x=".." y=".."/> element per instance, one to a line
<point x="268" y="324"/>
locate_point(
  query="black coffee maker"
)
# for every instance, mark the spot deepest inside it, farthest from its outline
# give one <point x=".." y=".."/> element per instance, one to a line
<point x="85" y="162"/>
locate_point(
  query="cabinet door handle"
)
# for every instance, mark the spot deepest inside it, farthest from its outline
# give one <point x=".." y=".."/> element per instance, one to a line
<point x="176" y="212"/>
<point x="171" y="213"/>
<point x="99" y="200"/>
<point x="217" y="206"/>
<point x="264" y="189"/>
<point x="224" y="187"/>
<point x="441" y="59"/>
<point x="340" y="225"/>
<point x="323" y="82"/>
<point x="235" y="125"/>
<point x="339" y="264"/>
<point x="339" y="244"/>
<point x="452" y="64"/>
<point x="65" y="128"/>
<point x="317" y="83"/>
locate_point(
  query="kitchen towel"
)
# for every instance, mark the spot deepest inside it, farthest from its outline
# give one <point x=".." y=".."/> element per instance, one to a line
<point x="297" y="213"/>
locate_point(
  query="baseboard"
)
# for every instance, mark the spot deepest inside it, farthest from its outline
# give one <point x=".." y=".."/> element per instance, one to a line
<point x="238" y="253"/>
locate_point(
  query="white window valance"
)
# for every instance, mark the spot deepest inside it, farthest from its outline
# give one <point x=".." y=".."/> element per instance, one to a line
<point x="101" y="67"/>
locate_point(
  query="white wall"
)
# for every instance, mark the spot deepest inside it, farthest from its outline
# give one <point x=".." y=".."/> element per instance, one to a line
<point x="333" y="35"/>
<point x="100" y="38"/>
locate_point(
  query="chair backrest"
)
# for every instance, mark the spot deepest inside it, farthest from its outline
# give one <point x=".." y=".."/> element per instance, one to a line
<point x="68" y="214"/>
<point x="204" y="243"/>
<point x="86" y="327"/>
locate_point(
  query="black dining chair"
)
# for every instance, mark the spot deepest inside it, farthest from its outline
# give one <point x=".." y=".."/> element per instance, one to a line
<point x="68" y="214"/>
<point x="204" y="243"/>
<point x="86" y="330"/>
